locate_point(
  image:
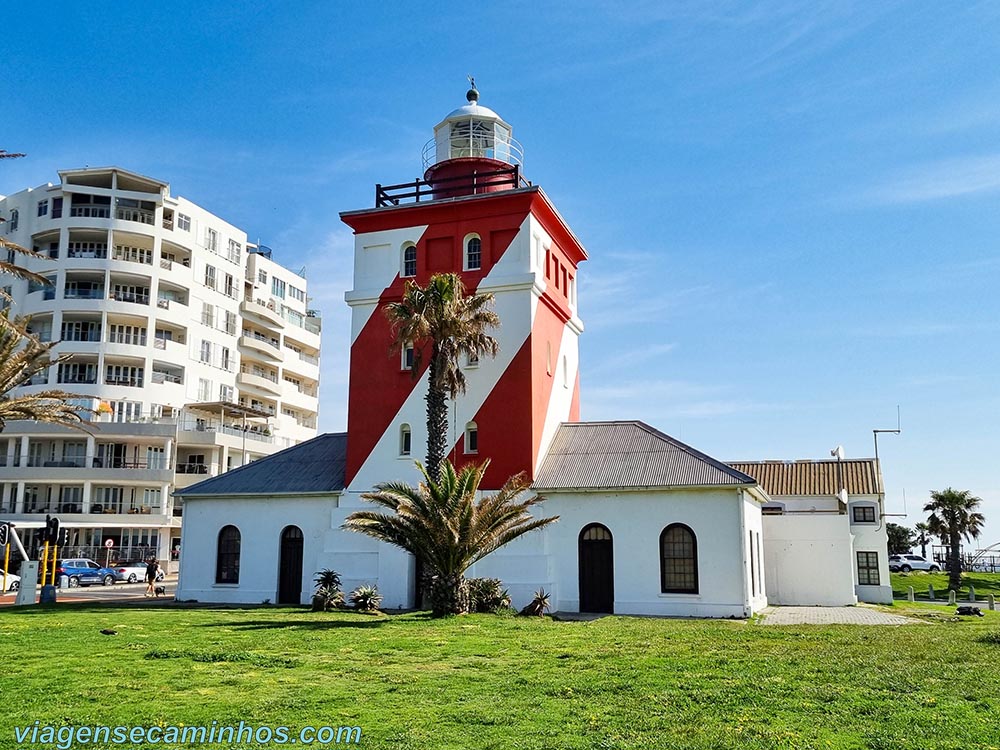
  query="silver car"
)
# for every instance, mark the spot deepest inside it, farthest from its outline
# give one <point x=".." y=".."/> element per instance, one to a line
<point x="906" y="563"/>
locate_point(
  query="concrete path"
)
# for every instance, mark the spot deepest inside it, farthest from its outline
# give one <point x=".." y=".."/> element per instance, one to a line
<point x="832" y="616"/>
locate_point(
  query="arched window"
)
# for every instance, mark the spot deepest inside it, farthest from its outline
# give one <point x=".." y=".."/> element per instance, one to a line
<point x="227" y="560"/>
<point x="409" y="260"/>
<point x="678" y="560"/>
<point x="473" y="253"/>
<point x="404" y="440"/>
<point x="471" y="438"/>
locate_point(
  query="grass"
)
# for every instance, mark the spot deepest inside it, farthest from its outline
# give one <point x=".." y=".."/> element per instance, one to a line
<point x="482" y="681"/>
<point x="985" y="584"/>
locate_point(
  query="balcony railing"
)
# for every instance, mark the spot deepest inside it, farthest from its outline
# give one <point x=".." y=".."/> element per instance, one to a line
<point x="78" y="379"/>
<point x="259" y="374"/>
<point x="132" y="339"/>
<point x="166" y="377"/>
<point x="251" y="433"/>
<point x="138" y="298"/>
<point x="188" y="468"/>
<point x="272" y="342"/>
<point x="133" y="254"/>
<point x="90" y="212"/>
<point x="86" y="250"/>
<point x="135" y="214"/>
<point x="83" y="293"/>
<point x="447" y="187"/>
<point x="130" y="382"/>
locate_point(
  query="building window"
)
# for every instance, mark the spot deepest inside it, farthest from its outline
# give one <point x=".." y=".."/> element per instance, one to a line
<point x="206" y="351"/>
<point x="262" y="276"/>
<point x="226" y="393"/>
<point x="473" y="253"/>
<point x="404" y="440"/>
<point x="184" y="222"/>
<point x="230" y="286"/>
<point x="278" y="288"/>
<point x="12" y="224"/>
<point x="227" y="561"/>
<point x="230" y="323"/>
<point x="235" y="249"/>
<point x="678" y="560"/>
<point x="409" y="261"/>
<point x="210" y="276"/>
<point x="864" y="513"/>
<point x="211" y="240"/>
<point x="57" y="204"/>
<point x="471" y="438"/>
<point x="295" y="293"/>
<point x="406" y="361"/>
<point x="565" y="372"/>
<point x="868" y="569"/>
<point x="472" y="360"/>
<point x="43" y="207"/>
<point x="226" y="360"/>
<point x="204" y="389"/>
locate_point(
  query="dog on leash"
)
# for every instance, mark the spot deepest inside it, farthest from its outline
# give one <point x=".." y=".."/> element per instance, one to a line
<point x="160" y="591"/>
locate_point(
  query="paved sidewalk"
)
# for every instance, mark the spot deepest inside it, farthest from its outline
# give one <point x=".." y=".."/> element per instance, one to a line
<point x="832" y="616"/>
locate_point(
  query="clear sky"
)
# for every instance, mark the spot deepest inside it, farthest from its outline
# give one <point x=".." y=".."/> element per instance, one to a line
<point x="791" y="209"/>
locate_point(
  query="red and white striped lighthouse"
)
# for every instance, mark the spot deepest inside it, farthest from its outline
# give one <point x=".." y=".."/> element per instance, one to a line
<point x="473" y="214"/>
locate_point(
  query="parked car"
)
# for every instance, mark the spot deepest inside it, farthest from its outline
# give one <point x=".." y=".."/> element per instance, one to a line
<point x="906" y="563"/>
<point x="134" y="571"/>
<point x="83" y="572"/>
<point x="13" y="581"/>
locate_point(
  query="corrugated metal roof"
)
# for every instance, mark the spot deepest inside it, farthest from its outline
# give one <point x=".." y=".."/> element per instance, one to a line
<point x="609" y="455"/>
<point x="317" y="465"/>
<point x="860" y="476"/>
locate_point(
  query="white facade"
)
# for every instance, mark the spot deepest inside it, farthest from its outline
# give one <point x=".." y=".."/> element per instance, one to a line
<point x="174" y="321"/>
<point x="730" y="571"/>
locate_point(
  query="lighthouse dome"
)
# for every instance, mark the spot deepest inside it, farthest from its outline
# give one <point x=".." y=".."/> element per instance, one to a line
<point x="472" y="132"/>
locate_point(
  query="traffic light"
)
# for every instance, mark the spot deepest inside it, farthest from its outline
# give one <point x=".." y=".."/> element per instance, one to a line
<point x="4" y="534"/>
<point x="52" y="529"/>
<point x="64" y="537"/>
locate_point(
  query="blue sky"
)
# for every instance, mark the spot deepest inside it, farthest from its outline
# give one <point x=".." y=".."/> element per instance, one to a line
<point x="790" y="208"/>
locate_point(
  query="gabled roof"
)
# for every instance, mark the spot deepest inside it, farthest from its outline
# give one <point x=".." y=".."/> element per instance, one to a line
<point x="859" y="476"/>
<point x="315" y="466"/>
<point x="621" y="455"/>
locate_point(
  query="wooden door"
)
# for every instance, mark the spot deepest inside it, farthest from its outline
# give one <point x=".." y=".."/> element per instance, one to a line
<point x="290" y="566"/>
<point x="597" y="570"/>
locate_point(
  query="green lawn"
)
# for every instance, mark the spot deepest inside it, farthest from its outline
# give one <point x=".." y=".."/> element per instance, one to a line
<point x="490" y="682"/>
<point x="985" y="583"/>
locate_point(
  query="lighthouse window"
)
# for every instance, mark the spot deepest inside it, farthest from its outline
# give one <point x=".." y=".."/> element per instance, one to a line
<point x="473" y="254"/>
<point x="471" y="438"/>
<point x="409" y="261"/>
<point x="404" y="440"/>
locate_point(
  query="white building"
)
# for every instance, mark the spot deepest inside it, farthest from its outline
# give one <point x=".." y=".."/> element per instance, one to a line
<point x="648" y="525"/>
<point x="198" y="350"/>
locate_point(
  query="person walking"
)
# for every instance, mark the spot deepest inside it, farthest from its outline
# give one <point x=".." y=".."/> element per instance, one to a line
<point x="152" y="569"/>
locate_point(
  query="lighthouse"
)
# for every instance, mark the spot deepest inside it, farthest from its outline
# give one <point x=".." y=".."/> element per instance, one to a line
<point x="472" y="213"/>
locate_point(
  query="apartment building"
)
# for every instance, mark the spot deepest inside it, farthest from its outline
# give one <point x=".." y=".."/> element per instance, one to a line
<point x="198" y="352"/>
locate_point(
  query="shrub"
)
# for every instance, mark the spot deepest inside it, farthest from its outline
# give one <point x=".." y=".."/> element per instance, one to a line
<point x="538" y="606"/>
<point x="366" y="598"/>
<point x="488" y="595"/>
<point x="328" y="594"/>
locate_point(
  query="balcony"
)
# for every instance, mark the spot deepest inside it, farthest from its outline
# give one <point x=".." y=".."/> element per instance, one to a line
<point x="127" y="381"/>
<point x="160" y="377"/>
<point x="266" y="311"/>
<point x="70" y="293"/>
<point x="256" y="378"/>
<point x="90" y="212"/>
<point x="266" y="346"/>
<point x="87" y="250"/>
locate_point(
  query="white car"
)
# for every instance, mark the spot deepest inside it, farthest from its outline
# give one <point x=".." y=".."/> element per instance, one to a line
<point x="13" y="582"/>
<point x="906" y="563"/>
<point x="132" y="572"/>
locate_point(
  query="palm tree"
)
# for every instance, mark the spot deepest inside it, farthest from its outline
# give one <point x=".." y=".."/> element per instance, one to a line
<point x="453" y="325"/>
<point x="22" y="355"/>
<point x="441" y="522"/>
<point x="923" y="536"/>
<point x="953" y="515"/>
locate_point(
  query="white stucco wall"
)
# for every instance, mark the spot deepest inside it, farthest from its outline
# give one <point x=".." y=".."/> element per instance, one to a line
<point x="636" y="520"/>
<point x="809" y="560"/>
<point x="260" y="521"/>
<point x="871" y="537"/>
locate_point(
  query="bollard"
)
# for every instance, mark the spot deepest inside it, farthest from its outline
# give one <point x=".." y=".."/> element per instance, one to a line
<point x="909" y="595"/>
<point x="951" y="597"/>
<point x="991" y="602"/>
<point x="48" y="595"/>
<point x="972" y="593"/>
<point x="930" y="591"/>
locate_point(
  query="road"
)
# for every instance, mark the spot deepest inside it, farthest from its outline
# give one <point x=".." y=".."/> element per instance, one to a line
<point x="119" y="592"/>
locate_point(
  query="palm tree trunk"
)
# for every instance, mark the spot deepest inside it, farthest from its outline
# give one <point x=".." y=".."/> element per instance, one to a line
<point x="437" y="419"/>
<point x="954" y="563"/>
<point x="449" y="595"/>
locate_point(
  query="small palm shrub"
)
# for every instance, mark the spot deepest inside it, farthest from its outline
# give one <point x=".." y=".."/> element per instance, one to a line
<point x="487" y="595"/>
<point x="328" y="594"/>
<point x="537" y="606"/>
<point x="366" y="598"/>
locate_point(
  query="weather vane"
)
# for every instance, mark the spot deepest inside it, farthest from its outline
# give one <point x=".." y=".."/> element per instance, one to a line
<point x="472" y="80"/>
